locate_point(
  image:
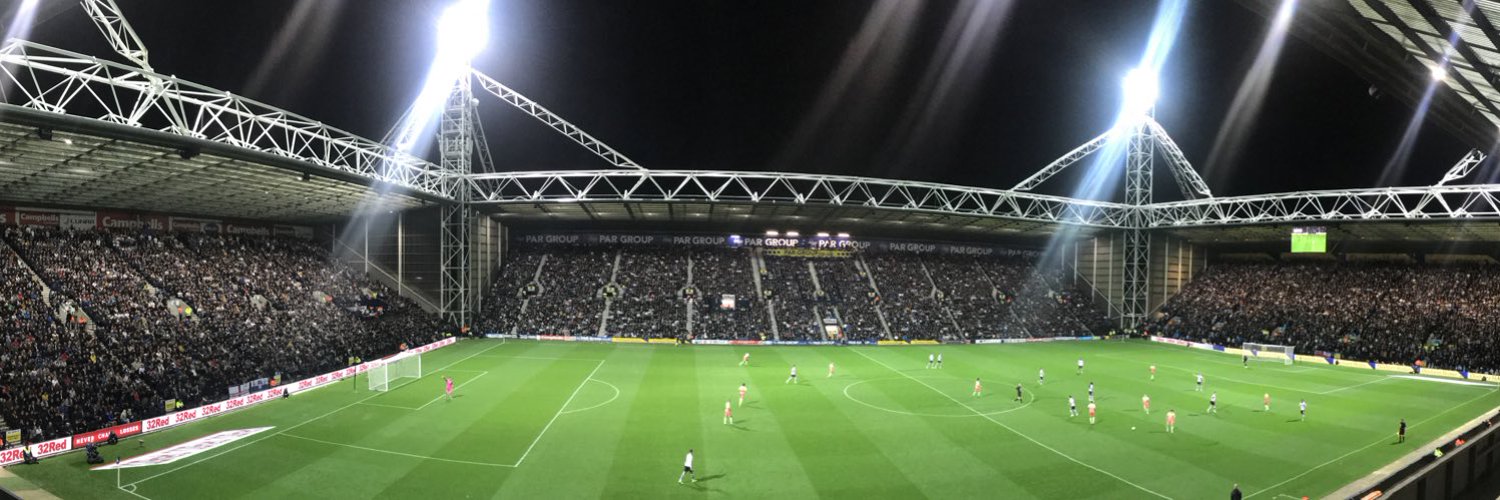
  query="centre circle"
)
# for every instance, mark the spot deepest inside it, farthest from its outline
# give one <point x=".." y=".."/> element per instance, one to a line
<point x="958" y="409"/>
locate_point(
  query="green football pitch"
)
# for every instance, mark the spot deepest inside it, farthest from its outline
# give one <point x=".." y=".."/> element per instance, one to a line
<point x="575" y="420"/>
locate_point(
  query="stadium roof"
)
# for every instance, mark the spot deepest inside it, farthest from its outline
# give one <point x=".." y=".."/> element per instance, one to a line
<point x="97" y="165"/>
<point x="751" y="218"/>
<point x="1396" y="44"/>
<point x="1417" y="237"/>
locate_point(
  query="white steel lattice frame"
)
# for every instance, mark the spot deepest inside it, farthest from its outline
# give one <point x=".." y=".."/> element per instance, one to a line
<point x="1138" y="182"/>
<point x="1419" y="203"/>
<point x="66" y="83"/>
<point x="117" y="31"/>
<point x="456" y="145"/>
<point x="562" y="126"/>
<point x="571" y="186"/>
<point x="1062" y="163"/>
<point x="1188" y="181"/>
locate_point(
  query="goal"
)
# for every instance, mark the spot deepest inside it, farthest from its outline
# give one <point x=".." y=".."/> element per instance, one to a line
<point x="387" y="374"/>
<point x="1270" y="352"/>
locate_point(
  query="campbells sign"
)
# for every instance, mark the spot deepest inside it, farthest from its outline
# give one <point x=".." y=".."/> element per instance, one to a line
<point x="30" y="218"/>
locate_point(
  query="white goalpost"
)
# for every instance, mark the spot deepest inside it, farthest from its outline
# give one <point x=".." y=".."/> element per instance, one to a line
<point x="385" y="375"/>
<point x="1270" y="352"/>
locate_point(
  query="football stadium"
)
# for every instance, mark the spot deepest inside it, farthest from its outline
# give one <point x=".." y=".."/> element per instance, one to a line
<point x="322" y="249"/>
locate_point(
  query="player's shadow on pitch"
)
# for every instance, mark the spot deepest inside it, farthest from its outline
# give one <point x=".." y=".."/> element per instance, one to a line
<point x="705" y="479"/>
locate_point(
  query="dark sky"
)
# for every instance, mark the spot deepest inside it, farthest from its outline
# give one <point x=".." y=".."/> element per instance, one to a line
<point x="775" y="85"/>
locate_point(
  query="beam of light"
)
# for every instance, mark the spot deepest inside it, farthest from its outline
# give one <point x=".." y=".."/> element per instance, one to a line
<point x="21" y="20"/>
<point x="866" y="71"/>
<point x="1229" y="142"/>
<point x="463" y="30"/>
<point x="1395" y="167"/>
<point x="299" y="44"/>
<point x="20" y="25"/>
<point x="951" y="80"/>
<point x="1140" y="90"/>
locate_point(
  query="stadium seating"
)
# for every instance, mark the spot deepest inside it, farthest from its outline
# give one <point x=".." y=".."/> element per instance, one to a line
<point x="878" y="296"/>
<point x="1389" y="313"/>
<point x="723" y="271"/>
<point x="105" y="327"/>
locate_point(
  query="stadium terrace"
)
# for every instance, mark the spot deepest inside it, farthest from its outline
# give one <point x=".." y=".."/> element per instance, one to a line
<point x="913" y="254"/>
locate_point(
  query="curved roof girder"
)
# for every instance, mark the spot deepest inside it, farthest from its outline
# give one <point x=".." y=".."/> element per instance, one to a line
<point x="571" y="186"/>
<point x="66" y="83"/>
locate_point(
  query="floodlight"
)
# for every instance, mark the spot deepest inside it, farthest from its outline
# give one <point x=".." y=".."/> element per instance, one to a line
<point x="772" y="233"/>
<point x="464" y="29"/>
<point x="1439" y="73"/>
<point x="1140" y="91"/>
<point x="793" y="234"/>
<point x="843" y="235"/>
<point x="822" y="234"/>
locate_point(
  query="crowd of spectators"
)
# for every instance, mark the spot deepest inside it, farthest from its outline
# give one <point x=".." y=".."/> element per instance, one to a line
<point x="975" y="304"/>
<point x="726" y="271"/>
<point x="650" y="302"/>
<point x="571" y="301"/>
<point x="164" y="317"/>
<point x="515" y="283"/>
<point x="908" y="299"/>
<point x="795" y="296"/>
<point x="1383" y="312"/>
<point x="920" y="296"/>
<point x="848" y="290"/>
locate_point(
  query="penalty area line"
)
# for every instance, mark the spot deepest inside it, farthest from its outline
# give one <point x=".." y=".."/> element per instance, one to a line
<point x="389" y="452"/>
<point x="1011" y="429"/>
<point x="559" y="413"/>
<point x="304" y="422"/>
<point x="455" y="389"/>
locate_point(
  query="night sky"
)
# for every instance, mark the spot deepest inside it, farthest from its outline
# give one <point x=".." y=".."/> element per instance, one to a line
<point x="788" y="86"/>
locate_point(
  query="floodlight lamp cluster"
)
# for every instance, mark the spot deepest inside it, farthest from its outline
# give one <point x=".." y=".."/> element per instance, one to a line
<point x="463" y="29"/>
<point x="1141" y="90"/>
<point x="772" y="233"/>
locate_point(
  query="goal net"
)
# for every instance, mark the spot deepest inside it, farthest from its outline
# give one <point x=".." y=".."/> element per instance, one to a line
<point x="1270" y="352"/>
<point x="388" y="374"/>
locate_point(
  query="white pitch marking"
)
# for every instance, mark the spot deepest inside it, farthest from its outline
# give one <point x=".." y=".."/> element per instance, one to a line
<point x="537" y="357"/>
<point x="377" y="450"/>
<point x="1012" y="430"/>
<point x="611" y="400"/>
<point x="1361" y="384"/>
<point x="305" y="422"/>
<point x="900" y="412"/>
<point x="558" y="414"/>
<point x="387" y="406"/>
<point x="1381" y="441"/>
<point x="455" y="389"/>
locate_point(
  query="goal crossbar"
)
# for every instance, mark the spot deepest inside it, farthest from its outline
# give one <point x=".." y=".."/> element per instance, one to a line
<point x="1270" y="352"/>
<point x="384" y="376"/>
